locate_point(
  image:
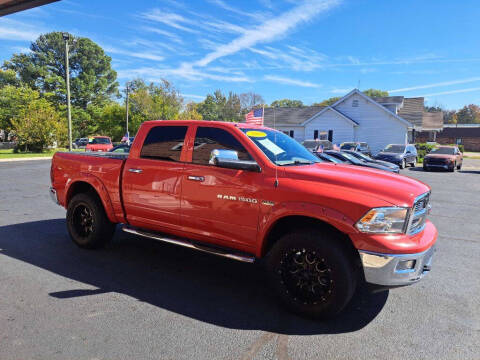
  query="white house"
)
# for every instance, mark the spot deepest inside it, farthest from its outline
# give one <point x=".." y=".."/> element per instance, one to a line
<point x="354" y="117"/>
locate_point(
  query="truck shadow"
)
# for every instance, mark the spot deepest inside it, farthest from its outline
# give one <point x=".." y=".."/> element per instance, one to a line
<point x="201" y="286"/>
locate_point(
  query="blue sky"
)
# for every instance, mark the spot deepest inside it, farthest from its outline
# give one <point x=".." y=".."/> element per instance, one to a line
<point x="307" y="50"/>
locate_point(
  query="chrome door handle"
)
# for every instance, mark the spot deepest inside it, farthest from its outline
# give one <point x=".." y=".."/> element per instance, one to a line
<point x="196" y="178"/>
<point x="136" y="171"/>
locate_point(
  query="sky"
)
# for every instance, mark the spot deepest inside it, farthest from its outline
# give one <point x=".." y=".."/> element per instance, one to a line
<point x="308" y="50"/>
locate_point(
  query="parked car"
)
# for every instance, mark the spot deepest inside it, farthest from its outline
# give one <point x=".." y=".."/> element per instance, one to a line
<point x="399" y="154"/>
<point x="248" y="192"/>
<point x="124" y="148"/>
<point x="315" y="145"/>
<point x="352" y="160"/>
<point x="80" y="143"/>
<point x="444" y="157"/>
<point x="356" y="146"/>
<point x="99" y="143"/>
<point x="368" y="159"/>
<point x="328" y="158"/>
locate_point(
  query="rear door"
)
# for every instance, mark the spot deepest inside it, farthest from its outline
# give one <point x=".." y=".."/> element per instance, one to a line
<point x="220" y="205"/>
<point x="152" y="179"/>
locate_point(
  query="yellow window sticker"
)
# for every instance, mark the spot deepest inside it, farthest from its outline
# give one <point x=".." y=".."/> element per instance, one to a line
<point x="256" y="134"/>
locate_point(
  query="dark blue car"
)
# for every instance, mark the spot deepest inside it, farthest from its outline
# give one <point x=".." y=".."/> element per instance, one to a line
<point x="401" y="155"/>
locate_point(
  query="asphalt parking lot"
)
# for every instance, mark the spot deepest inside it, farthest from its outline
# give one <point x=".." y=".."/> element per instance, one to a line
<point x="139" y="299"/>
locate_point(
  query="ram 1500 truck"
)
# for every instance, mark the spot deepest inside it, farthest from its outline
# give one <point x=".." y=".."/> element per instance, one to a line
<point x="248" y="192"/>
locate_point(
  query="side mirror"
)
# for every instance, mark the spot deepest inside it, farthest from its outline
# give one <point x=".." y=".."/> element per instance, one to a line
<point x="229" y="159"/>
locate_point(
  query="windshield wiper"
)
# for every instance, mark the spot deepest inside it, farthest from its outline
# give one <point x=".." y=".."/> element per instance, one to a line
<point x="298" y="162"/>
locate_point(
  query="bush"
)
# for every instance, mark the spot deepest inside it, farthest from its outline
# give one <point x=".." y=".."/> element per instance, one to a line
<point x="422" y="150"/>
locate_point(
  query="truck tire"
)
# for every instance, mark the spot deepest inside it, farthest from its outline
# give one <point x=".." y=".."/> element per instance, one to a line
<point x="87" y="222"/>
<point x="452" y="169"/>
<point x="311" y="273"/>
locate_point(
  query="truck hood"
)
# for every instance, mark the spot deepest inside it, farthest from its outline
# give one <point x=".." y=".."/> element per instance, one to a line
<point x="395" y="189"/>
<point x="440" y="156"/>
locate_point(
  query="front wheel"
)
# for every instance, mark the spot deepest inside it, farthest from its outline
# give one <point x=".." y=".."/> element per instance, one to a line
<point x="452" y="169"/>
<point x="311" y="273"/>
<point x="403" y="164"/>
<point x="87" y="223"/>
<point x="414" y="163"/>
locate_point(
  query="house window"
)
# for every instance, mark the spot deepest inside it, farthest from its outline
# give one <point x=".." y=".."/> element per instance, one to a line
<point x="355" y="103"/>
<point x="330" y="135"/>
<point x="323" y="135"/>
<point x="315" y="134"/>
<point x="291" y="133"/>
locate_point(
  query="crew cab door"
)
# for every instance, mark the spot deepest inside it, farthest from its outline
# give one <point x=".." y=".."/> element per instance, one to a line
<point x="152" y="177"/>
<point x="219" y="205"/>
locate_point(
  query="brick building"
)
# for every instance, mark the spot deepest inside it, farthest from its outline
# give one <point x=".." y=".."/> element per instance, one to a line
<point x="467" y="135"/>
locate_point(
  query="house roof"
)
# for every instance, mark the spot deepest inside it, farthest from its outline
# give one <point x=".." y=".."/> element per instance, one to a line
<point x="412" y="110"/>
<point x="432" y="120"/>
<point x="290" y="115"/>
<point x="11" y="6"/>
<point x="343" y="116"/>
<point x="460" y="132"/>
<point x="388" y="99"/>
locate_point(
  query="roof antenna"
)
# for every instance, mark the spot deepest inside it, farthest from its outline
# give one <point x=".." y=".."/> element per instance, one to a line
<point x="275" y="184"/>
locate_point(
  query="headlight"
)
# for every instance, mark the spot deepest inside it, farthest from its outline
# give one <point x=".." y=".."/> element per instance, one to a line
<point x="387" y="220"/>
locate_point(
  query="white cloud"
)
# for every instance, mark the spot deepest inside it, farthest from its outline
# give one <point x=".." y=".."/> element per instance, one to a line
<point x="270" y="30"/>
<point x="293" y="58"/>
<point x="341" y="91"/>
<point x="17" y="31"/>
<point x="232" y="9"/>
<point x="458" y="91"/>
<point x="439" y="84"/>
<point x="192" y="96"/>
<point x="136" y="54"/>
<point x="171" y="19"/>
<point x="167" y="34"/>
<point x="288" y="81"/>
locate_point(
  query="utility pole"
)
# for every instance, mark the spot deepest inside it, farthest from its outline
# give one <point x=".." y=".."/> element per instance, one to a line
<point x="66" y="37"/>
<point x="128" y="135"/>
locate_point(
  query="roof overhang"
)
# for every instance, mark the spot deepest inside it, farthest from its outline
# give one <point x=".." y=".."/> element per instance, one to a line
<point x="347" y="119"/>
<point x="12" y="6"/>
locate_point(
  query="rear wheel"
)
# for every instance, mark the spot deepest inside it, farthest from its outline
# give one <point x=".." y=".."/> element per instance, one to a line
<point x="311" y="273"/>
<point x="403" y="164"/>
<point x="87" y="222"/>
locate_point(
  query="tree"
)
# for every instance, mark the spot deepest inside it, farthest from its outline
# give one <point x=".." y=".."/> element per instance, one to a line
<point x="287" y="103"/>
<point x="190" y="112"/>
<point x="92" y="78"/>
<point x="38" y="125"/>
<point x="375" y="93"/>
<point x="328" y="102"/>
<point x="218" y="107"/>
<point x="249" y="100"/>
<point x="14" y="100"/>
<point x="8" y="77"/>
<point x="111" y="121"/>
<point x="469" y="114"/>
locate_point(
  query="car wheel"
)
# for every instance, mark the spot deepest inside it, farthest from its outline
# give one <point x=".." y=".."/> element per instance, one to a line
<point x="311" y="273"/>
<point x="414" y="163"/>
<point x="403" y="164"/>
<point x="452" y="169"/>
<point x="459" y="166"/>
<point x="87" y="223"/>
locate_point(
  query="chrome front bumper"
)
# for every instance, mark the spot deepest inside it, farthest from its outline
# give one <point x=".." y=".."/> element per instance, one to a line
<point x="53" y="195"/>
<point x="389" y="269"/>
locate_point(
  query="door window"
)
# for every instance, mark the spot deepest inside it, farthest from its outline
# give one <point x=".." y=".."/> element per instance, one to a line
<point x="209" y="138"/>
<point x="164" y="143"/>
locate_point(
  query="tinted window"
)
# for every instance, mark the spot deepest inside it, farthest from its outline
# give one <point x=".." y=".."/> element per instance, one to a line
<point x="100" y="140"/>
<point x="395" y="148"/>
<point x="348" y="146"/>
<point x="443" y="150"/>
<point x="209" y="138"/>
<point x="164" y="143"/>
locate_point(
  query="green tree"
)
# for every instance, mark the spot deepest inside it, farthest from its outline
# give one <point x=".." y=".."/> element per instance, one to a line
<point x="38" y="125"/>
<point x="469" y="114"/>
<point x="111" y="121"/>
<point x="8" y="77"/>
<point x="43" y="69"/>
<point x="218" y="107"/>
<point x="328" y="102"/>
<point x="14" y="100"/>
<point x="287" y="103"/>
<point x="375" y="93"/>
<point x="190" y="112"/>
<point x="250" y="99"/>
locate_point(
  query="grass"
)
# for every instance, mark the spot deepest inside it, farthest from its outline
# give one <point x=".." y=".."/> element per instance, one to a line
<point x="9" y="154"/>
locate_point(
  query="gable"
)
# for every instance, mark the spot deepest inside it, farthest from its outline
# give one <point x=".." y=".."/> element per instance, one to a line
<point x="335" y="112"/>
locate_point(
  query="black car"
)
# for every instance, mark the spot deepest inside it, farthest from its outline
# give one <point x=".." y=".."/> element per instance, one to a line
<point x="367" y="158"/>
<point x="352" y="160"/>
<point x="402" y="155"/>
<point x="356" y="146"/>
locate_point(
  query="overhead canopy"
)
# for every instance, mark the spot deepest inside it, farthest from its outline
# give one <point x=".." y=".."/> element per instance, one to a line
<point x="12" y="6"/>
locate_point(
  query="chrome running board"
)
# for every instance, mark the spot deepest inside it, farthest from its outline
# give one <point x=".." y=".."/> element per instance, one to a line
<point x="191" y="245"/>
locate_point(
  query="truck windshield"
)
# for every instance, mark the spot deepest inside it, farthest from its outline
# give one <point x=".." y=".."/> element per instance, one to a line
<point x="99" y="141"/>
<point x="443" y="151"/>
<point x="281" y="149"/>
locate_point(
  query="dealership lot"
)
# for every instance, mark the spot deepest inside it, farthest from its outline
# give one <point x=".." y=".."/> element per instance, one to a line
<point x="142" y="299"/>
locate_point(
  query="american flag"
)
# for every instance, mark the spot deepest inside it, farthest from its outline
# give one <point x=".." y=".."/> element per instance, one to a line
<point x="254" y="117"/>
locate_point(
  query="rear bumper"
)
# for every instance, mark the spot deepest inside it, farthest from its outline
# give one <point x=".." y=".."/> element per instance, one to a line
<point x="53" y="195"/>
<point x="396" y="269"/>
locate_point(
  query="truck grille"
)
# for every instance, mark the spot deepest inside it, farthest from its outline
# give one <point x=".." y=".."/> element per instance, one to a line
<point x="435" y="161"/>
<point x="419" y="214"/>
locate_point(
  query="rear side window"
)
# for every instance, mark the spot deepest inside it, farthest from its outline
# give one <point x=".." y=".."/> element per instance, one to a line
<point x="209" y="138"/>
<point x="164" y="143"/>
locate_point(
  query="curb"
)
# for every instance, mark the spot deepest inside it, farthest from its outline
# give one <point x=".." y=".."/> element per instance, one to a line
<point x="27" y="158"/>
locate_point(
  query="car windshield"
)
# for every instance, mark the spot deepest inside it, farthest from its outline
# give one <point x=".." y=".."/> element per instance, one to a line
<point x="99" y="140"/>
<point x="443" y="150"/>
<point x="352" y="158"/>
<point x="348" y="146"/>
<point x="395" y="148"/>
<point x="360" y="156"/>
<point x="330" y="158"/>
<point x="310" y="144"/>
<point x="281" y="149"/>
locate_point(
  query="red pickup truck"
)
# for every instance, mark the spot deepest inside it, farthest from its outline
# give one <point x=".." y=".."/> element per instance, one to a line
<point x="248" y="192"/>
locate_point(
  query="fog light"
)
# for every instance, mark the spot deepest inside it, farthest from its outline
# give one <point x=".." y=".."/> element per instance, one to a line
<point x="406" y="265"/>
